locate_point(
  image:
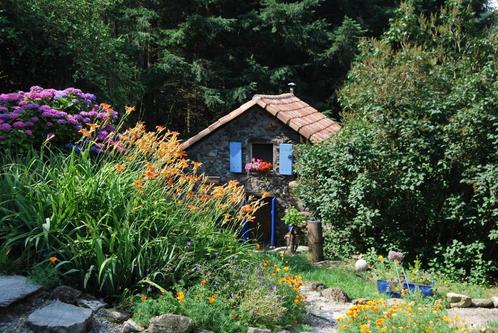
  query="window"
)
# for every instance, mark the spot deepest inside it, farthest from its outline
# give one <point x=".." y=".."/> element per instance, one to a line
<point x="262" y="151"/>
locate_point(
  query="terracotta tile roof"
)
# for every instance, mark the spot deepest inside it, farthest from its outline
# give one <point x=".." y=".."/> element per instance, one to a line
<point x="289" y="109"/>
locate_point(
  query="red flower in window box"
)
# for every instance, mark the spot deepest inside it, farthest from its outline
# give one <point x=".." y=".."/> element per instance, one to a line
<point x="259" y="166"/>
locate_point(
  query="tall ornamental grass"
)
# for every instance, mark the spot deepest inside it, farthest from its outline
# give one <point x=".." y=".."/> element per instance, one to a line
<point x="138" y="214"/>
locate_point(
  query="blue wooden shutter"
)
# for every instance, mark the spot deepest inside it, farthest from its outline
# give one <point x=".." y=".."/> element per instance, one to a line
<point x="235" y="156"/>
<point x="285" y="159"/>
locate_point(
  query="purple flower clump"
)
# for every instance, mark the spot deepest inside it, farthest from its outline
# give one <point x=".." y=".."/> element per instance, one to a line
<point x="42" y="113"/>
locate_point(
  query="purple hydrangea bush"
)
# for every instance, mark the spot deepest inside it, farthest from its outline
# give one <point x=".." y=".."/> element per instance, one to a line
<point x="31" y="118"/>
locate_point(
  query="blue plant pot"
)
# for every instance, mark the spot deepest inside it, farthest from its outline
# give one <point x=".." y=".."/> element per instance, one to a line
<point x="384" y="287"/>
<point x="426" y="290"/>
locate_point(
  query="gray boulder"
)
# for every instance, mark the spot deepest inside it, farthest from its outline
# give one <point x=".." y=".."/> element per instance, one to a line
<point x="495" y="301"/>
<point x="14" y="288"/>
<point x="171" y="323"/>
<point x="335" y="295"/>
<point x="482" y="303"/>
<point x="65" y="294"/>
<point x="258" y="330"/>
<point x="59" y="317"/>
<point x="458" y="300"/>
<point x="130" y="326"/>
<point x="114" y="315"/>
<point x="92" y="304"/>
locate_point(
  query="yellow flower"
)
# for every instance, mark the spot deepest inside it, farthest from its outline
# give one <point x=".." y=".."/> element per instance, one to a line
<point x="286" y="268"/>
<point x="212" y="299"/>
<point x="364" y="328"/>
<point x="281" y="254"/>
<point x="381" y="258"/>
<point x="180" y="296"/>
<point x="53" y="260"/>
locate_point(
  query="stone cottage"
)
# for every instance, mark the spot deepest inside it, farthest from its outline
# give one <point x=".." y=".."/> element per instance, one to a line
<point x="265" y="128"/>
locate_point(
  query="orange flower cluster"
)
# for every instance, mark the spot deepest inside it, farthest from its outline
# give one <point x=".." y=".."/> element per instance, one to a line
<point x="157" y="161"/>
<point x="379" y="316"/>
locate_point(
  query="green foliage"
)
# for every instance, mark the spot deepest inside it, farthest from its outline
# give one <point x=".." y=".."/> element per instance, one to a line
<point x="414" y="167"/>
<point x="292" y="217"/>
<point x="261" y="293"/>
<point x="340" y="275"/>
<point x="112" y="235"/>
<point x="46" y="275"/>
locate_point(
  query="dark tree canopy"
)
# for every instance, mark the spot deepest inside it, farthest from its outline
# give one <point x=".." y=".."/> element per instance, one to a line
<point x="183" y="63"/>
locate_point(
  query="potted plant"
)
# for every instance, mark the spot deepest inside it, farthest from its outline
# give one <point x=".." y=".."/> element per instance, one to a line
<point x="393" y="281"/>
<point x="293" y="218"/>
<point x="259" y="166"/>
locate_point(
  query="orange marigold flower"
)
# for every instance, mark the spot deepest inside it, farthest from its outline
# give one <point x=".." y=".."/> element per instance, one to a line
<point x="180" y="296"/>
<point x="119" y="167"/>
<point x="379" y="322"/>
<point x="93" y="126"/>
<point x="53" y="260"/>
<point x="138" y="183"/>
<point x="203" y="282"/>
<point x="143" y="298"/>
<point x="212" y="299"/>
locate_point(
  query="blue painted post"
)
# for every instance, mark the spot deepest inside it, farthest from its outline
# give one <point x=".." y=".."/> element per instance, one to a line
<point x="245" y="227"/>
<point x="272" y="234"/>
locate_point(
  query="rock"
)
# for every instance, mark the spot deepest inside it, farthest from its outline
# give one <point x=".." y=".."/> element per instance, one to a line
<point x="495" y="301"/>
<point x="92" y="304"/>
<point x="453" y="297"/>
<point x="335" y="295"/>
<point x="482" y="303"/>
<point x="131" y="326"/>
<point x="317" y="286"/>
<point x="14" y="288"/>
<point x="458" y="300"/>
<point x="65" y="294"/>
<point x="171" y="323"/>
<point x="258" y="330"/>
<point x="60" y="317"/>
<point x="464" y="303"/>
<point x="115" y="316"/>
<point x="361" y="301"/>
<point x="360" y="265"/>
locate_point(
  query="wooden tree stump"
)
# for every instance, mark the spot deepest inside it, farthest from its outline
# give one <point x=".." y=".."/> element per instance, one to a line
<point x="315" y="240"/>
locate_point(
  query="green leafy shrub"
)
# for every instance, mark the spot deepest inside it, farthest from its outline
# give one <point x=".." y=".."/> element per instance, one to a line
<point x="262" y="293"/>
<point x="414" y="166"/>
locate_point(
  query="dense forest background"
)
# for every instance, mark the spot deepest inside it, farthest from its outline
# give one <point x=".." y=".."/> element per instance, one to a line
<point x="184" y="63"/>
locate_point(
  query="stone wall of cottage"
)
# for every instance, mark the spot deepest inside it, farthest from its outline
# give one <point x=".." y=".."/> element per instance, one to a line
<point x="254" y="126"/>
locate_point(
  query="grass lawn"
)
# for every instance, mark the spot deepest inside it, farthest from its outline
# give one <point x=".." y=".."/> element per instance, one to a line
<point x="342" y="275"/>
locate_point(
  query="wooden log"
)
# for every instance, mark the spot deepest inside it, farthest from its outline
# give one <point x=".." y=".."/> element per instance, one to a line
<point x="315" y="240"/>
